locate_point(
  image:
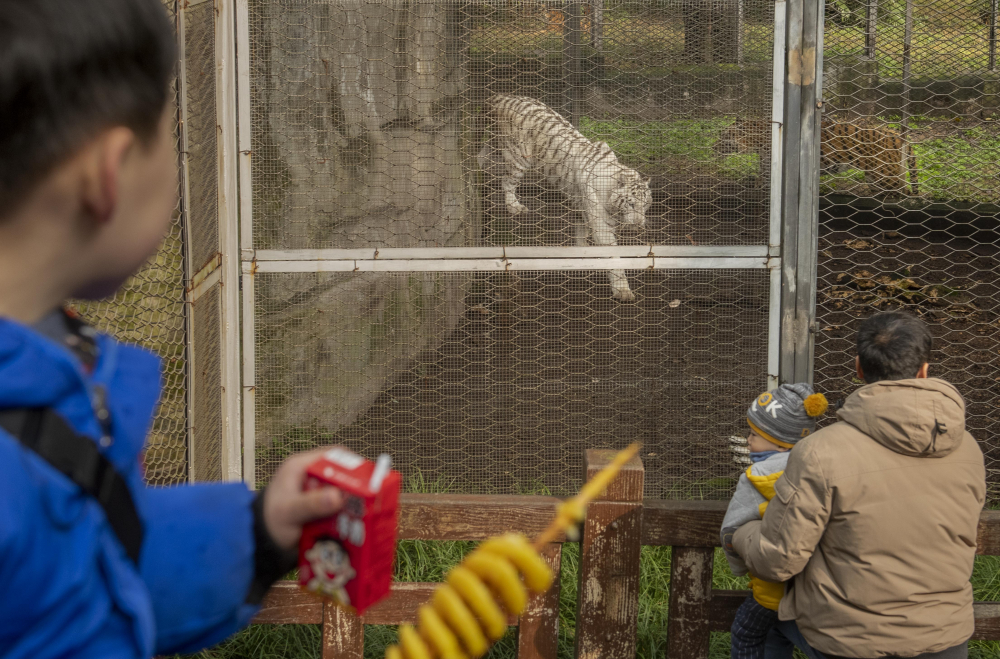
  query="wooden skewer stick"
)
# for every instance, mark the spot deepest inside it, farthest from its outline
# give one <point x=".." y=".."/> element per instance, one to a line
<point x="571" y="511"/>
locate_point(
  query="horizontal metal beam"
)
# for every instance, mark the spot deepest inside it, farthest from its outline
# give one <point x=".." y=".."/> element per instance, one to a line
<point x="536" y="252"/>
<point x="509" y="264"/>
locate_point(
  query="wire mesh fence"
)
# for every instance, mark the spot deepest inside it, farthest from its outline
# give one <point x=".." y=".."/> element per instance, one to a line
<point x="368" y="117"/>
<point x="149" y="311"/>
<point x="533" y="367"/>
<point x="382" y="125"/>
<point x="910" y="192"/>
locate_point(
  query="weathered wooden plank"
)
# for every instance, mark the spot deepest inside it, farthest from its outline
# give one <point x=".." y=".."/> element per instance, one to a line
<point x="287" y="604"/>
<point x="682" y="523"/>
<point x="472" y="517"/>
<point x="690" y="594"/>
<point x="629" y="483"/>
<point x="608" y="594"/>
<point x="343" y="634"/>
<point x="722" y="608"/>
<point x="538" y="628"/>
<point x="987" y="621"/>
<point x="697" y="524"/>
<point x="988" y="540"/>
<point x="401" y="605"/>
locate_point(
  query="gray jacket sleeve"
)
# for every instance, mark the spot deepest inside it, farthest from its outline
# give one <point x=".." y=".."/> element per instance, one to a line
<point x="743" y="507"/>
<point x="778" y="548"/>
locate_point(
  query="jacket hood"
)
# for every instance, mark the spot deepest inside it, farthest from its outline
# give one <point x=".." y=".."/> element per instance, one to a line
<point x="919" y="417"/>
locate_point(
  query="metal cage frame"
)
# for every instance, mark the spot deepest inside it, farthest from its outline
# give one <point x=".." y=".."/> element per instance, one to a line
<point x="789" y="256"/>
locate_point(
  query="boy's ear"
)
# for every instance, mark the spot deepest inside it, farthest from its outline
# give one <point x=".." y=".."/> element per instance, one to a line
<point x="857" y="367"/>
<point x="103" y="165"/>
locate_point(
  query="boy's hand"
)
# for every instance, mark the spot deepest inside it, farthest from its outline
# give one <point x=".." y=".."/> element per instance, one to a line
<point x="287" y="507"/>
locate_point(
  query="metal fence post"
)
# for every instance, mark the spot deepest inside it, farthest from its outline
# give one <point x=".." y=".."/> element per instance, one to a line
<point x="607" y="605"/>
<point x="800" y="188"/>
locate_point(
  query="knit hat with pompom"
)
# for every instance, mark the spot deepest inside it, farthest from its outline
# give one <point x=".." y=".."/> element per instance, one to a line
<point x="785" y="415"/>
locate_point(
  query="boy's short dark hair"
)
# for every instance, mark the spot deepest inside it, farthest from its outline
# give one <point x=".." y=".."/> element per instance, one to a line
<point x="893" y="346"/>
<point x="70" y="69"/>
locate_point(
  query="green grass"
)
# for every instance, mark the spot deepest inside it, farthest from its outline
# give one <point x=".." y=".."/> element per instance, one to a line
<point x="953" y="164"/>
<point x="661" y="147"/>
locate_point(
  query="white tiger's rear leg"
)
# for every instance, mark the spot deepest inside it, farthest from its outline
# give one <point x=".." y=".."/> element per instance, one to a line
<point x="604" y="234"/>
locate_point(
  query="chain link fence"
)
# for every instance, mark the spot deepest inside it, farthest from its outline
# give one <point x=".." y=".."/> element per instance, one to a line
<point x="149" y="311"/>
<point x="919" y="80"/>
<point x="368" y="127"/>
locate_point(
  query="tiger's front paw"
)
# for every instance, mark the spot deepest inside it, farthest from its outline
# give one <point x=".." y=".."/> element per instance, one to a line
<point x="623" y="294"/>
<point x="516" y="207"/>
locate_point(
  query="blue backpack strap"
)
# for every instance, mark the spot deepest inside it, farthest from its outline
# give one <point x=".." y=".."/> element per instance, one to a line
<point x="77" y="457"/>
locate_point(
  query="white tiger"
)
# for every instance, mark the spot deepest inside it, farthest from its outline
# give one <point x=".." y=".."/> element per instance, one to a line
<point x="528" y="134"/>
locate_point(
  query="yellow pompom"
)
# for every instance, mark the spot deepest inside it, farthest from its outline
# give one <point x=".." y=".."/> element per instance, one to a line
<point x="815" y="404"/>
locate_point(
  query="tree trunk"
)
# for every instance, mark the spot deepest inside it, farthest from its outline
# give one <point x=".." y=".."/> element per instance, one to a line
<point x="712" y="31"/>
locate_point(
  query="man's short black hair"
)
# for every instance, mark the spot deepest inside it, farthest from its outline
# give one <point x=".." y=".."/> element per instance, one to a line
<point x="70" y="69"/>
<point x="893" y="346"/>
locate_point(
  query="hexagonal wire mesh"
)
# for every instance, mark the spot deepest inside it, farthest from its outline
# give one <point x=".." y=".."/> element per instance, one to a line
<point x="533" y="368"/>
<point x="368" y="116"/>
<point x="370" y="128"/>
<point x="149" y="311"/>
<point x="910" y="220"/>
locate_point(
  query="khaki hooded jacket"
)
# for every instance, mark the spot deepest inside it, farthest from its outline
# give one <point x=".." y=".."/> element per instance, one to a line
<point x="874" y="525"/>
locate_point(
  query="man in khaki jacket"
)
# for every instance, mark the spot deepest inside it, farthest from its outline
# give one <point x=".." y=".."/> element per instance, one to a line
<point x="873" y="524"/>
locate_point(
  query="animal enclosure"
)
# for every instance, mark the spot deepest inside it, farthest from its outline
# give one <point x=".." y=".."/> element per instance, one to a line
<point x="353" y="272"/>
<point x="398" y="302"/>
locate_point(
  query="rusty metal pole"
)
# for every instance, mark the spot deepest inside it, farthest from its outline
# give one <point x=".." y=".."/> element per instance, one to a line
<point x="800" y="188"/>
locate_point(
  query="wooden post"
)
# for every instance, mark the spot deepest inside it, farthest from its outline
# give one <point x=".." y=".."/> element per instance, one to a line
<point x="538" y="628"/>
<point x="690" y="594"/>
<point x="572" y="60"/>
<point x="992" y="64"/>
<point x="597" y="25"/>
<point x="608" y="595"/>
<point x="871" y="27"/>
<point x="343" y="634"/>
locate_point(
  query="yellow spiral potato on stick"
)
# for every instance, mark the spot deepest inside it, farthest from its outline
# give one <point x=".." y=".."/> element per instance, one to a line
<point x="469" y="612"/>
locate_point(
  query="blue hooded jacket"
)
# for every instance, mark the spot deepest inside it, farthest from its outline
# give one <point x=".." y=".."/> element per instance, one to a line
<point x="67" y="588"/>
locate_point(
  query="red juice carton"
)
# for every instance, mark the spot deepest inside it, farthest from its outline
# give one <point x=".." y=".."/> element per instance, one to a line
<point x="348" y="557"/>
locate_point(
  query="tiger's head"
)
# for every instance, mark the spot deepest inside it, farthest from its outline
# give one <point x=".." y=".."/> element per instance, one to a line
<point x="631" y="198"/>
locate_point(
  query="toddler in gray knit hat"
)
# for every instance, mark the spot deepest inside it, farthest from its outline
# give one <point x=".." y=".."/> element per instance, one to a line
<point x="778" y="419"/>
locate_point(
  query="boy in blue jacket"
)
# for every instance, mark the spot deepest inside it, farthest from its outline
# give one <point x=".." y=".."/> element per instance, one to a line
<point x="92" y="562"/>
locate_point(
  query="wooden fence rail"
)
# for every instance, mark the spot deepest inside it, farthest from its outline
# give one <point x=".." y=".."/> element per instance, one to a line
<point x="617" y="525"/>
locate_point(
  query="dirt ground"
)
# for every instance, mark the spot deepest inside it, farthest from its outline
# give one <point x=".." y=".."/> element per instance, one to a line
<point x="943" y="266"/>
<point x="545" y="364"/>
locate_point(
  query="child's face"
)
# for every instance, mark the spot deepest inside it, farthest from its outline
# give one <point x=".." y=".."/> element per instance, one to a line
<point x="146" y="200"/>
<point x="758" y="444"/>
